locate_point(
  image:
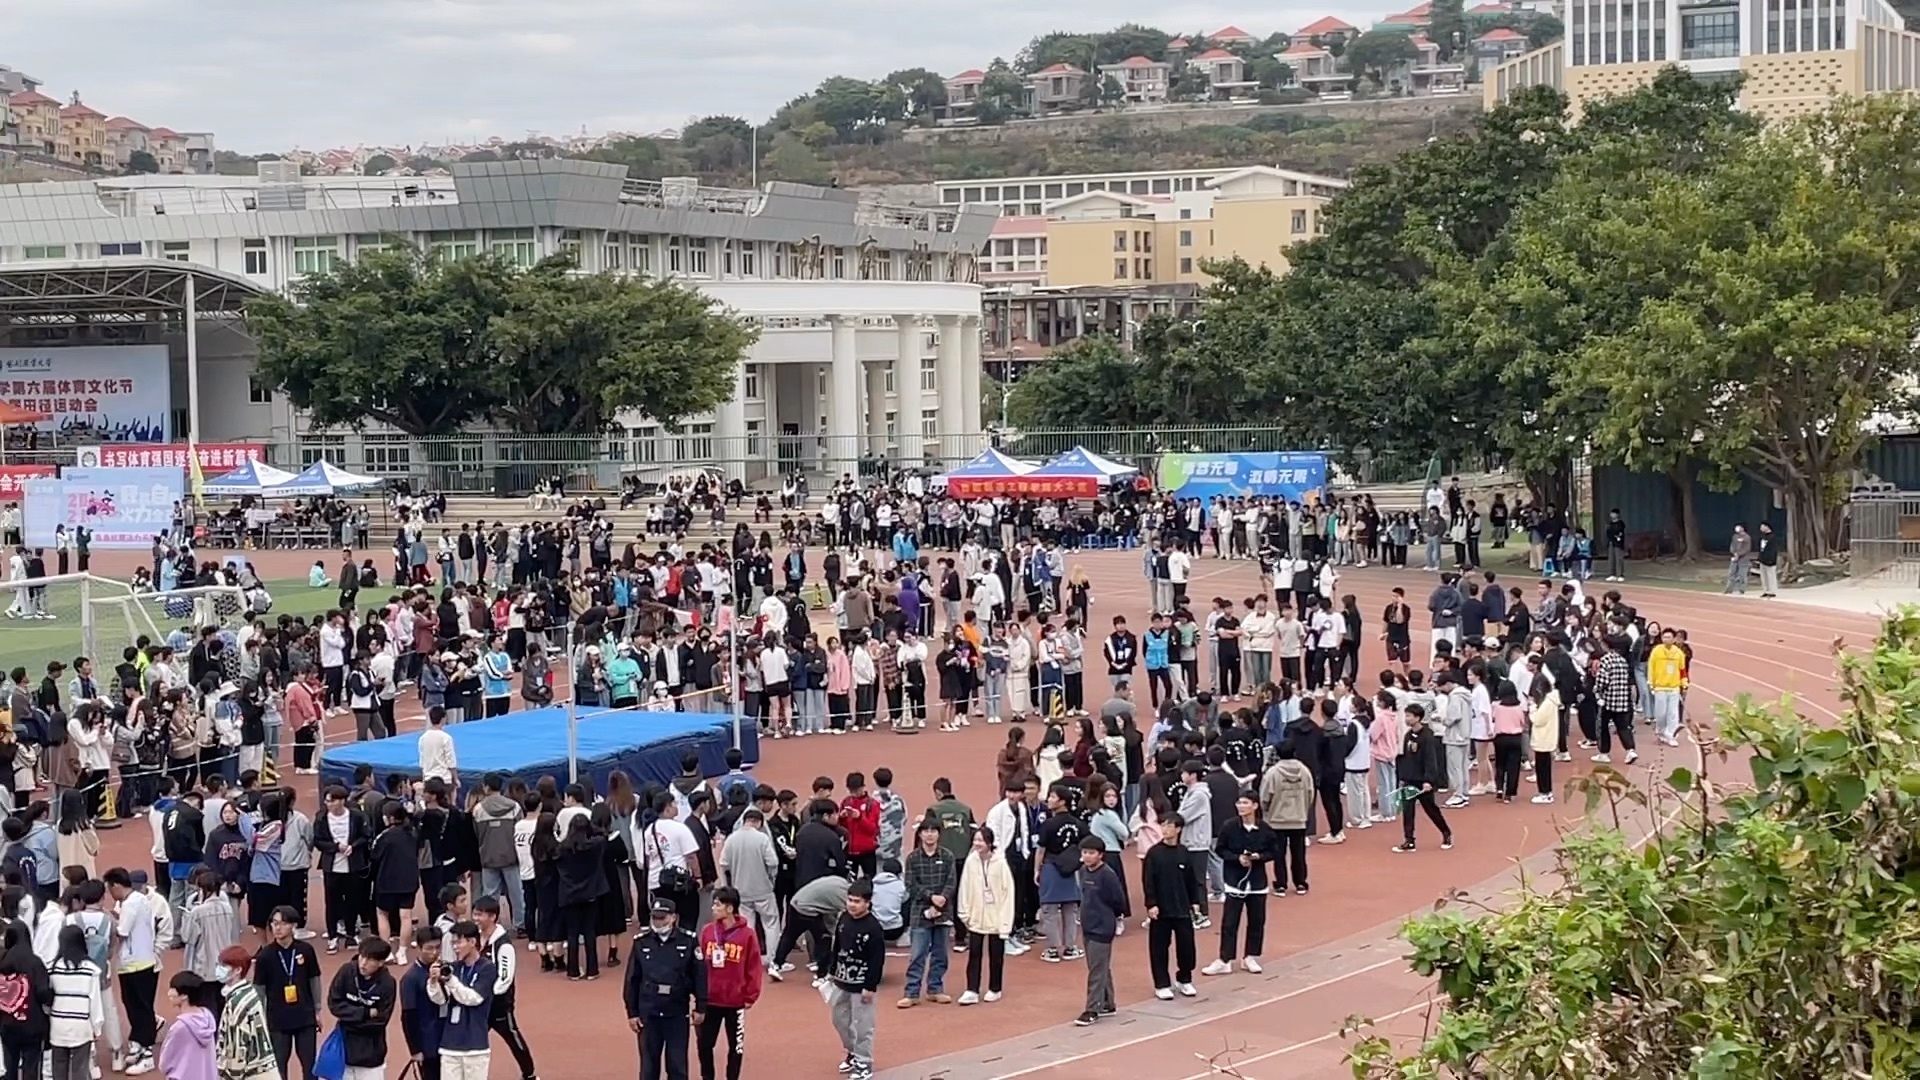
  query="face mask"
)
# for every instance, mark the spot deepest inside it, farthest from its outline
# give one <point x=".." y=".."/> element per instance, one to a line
<point x="221" y="973"/>
<point x="663" y="928"/>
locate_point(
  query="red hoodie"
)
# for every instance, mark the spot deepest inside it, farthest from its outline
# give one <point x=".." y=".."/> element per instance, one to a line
<point x="733" y="982"/>
<point x="861" y="818"/>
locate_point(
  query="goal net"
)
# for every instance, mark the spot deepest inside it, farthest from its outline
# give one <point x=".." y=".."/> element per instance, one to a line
<point x="118" y="621"/>
<point x="51" y="618"/>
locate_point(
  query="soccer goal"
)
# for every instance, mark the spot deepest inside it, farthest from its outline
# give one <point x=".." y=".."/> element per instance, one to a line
<point x="52" y="618"/>
<point x="118" y="620"/>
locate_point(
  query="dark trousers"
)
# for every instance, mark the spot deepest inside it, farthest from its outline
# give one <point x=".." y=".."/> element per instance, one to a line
<point x="664" y="1037"/>
<point x="1336" y="810"/>
<point x="817" y="944"/>
<point x="504" y="1024"/>
<point x="1425" y="801"/>
<point x="995" y="948"/>
<point x="733" y="1020"/>
<point x="290" y="1044"/>
<point x="865" y="865"/>
<point x="1178" y="933"/>
<point x="1290" y="670"/>
<point x="137" y="989"/>
<point x="577" y="925"/>
<point x="1255" y="906"/>
<point x="1292" y="861"/>
<point x="1508" y="750"/>
<point x="1026" y="893"/>
<point x="1610" y="722"/>
<point x="1543" y="772"/>
<point x="1229" y="674"/>
<point x="23" y="1056"/>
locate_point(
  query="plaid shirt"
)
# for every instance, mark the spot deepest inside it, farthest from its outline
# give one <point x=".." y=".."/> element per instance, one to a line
<point x="926" y="877"/>
<point x="1613" y="684"/>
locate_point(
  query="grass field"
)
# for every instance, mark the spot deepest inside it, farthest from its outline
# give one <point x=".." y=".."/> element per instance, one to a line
<point x="31" y="643"/>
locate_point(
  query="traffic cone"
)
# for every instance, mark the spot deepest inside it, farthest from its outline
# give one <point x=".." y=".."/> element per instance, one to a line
<point x="269" y="774"/>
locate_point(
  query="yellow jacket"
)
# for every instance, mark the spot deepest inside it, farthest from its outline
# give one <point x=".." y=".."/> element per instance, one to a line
<point x="1667" y="668"/>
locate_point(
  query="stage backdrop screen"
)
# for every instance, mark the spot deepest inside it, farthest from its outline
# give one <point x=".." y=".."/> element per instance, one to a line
<point x="123" y="507"/>
<point x="1298" y="478"/>
<point x="95" y="393"/>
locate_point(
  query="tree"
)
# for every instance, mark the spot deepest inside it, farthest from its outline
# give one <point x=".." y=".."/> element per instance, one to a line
<point x="1447" y="27"/>
<point x="577" y="349"/>
<point x="1374" y="54"/>
<point x="1002" y="93"/>
<point x="718" y="144"/>
<point x="790" y="159"/>
<point x="644" y="158"/>
<point x="1090" y="383"/>
<point x="379" y="165"/>
<point x="924" y="92"/>
<point x="1111" y="92"/>
<point x="1768" y="936"/>
<point x="420" y="164"/>
<point x="400" y="336"/>
<point x="857" y="110"/>
<point x="1089" y="51"/>
<point x="140" y="161"/>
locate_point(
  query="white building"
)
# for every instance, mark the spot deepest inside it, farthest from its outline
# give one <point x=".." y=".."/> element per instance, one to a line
<point x="1032" y="196"/>
<point x="869" y="313"/>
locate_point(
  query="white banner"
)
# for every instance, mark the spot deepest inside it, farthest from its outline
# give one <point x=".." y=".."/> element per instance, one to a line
<point x="95" y="393"/>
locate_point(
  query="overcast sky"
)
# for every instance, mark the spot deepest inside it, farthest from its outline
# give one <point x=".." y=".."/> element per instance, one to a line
<point x="268" y="75"/>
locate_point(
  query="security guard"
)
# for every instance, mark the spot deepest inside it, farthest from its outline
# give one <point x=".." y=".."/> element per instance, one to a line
<point x="665" y="980"/>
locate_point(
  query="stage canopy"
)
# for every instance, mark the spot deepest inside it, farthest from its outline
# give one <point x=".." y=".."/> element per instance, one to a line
<point x="1082" y="462"/>
<point x="252" y="478"/>
<point x="322" y="478"/>
<point x="990" y="473"/>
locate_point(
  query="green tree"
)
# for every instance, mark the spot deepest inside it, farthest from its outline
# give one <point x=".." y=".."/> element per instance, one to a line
<point x="1770" y="935"/>
<point x="1111" y="92"/>
<point x="791" y="159"/>
<point x="857" y="110"/>
<point x="400" y="336"/>
<point x="1091" y="383"/>
<point x="379" y="164"/>
<point x="420" y="164"/>
<point x="1447" y="27"/>
<point x="1002" y="93"/>
<point x="1374" y="54"/>
<point x="644" y="158"/>
<point x="141" y="161"/>
<point x="577" y="349"/>
<point x="925" y="92"/>
<point x="1089" y="51"/>
<point x="718" y="145"/>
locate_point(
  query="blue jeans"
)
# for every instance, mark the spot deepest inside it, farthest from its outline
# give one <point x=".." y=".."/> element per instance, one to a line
<point x="929" y="944"/>
<point x="495" y="880"/>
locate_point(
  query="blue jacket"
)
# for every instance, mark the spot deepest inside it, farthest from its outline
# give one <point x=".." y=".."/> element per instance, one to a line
<point x="463" y="1026"/>
<point x="1103" y="900"/>
<point x="419" y="1016"/>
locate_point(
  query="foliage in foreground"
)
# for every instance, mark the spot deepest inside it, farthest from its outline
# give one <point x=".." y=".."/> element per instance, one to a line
<point x="1777" y="937"/>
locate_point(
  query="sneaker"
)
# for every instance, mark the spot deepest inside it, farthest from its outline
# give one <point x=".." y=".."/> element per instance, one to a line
<point x="846" y="1064"/>
<point x="1602" y="759"/>
<point x="1543" y="800"/>
<point x="819" y="983"/>
<point x="969" y="998"/>
<point x="1446" y="842"/>
<point x="1164" y="993"/>
<point x="333" y="946"/>
<point x="1299" y="890"/>
<point x="119" y="1061"/>
<point x="940" y="999"/>
<point x="1218" y="967"/>
<point x="1203" y="922"/>
<point x="1334" y="838"/>
<point x="959" y="946"/>
<point x="1016" y="947"/>
<point x="1563" y="756"/>
<point x="1049" y="956"/>
<point x="142" y="1066"/>
<point x="1252" y="964"/>
<point x="1633" y="756"/>
<point x="907" y="1003"/>
<point x="1186" y="989"/>
<point x="1073" y="954"/>
<point x="990" y="996"/>
<point x="778" y="972"/>
<point x="1404" y="847"/>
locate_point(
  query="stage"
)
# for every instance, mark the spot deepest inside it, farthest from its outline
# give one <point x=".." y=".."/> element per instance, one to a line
<point x="533" y="743"/>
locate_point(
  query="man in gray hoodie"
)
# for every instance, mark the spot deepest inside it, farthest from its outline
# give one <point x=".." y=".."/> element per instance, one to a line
<point x="1456" y="735"/>
<point x="749" y="863"/>
<point x="494" y="818"/>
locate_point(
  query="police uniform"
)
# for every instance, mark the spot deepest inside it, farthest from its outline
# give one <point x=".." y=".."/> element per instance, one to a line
<point x="665" y="982"/>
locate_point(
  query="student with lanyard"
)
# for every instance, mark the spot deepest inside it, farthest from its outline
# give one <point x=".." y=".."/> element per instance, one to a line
<point x="287" y="971"/>
<point x="463" y="992"/>
<point x="496" y="944"/>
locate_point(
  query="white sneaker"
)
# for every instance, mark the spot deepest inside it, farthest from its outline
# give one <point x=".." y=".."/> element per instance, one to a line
<point x="1017" y="948"/>
<point x="1633" y="756"/>
<point x="969" y="998"/>
<point x="1252" y="964"/>
<point x="1218" y="967"/>
<point x="990" y="996"/>
<point x="1543" y="800"/>
<point x="1164" y="993"/>
<point x="1186" y="989"/>
<point x="1602" y="759"/>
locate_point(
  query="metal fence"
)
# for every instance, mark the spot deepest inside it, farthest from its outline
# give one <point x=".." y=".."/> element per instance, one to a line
<point x="1884" y="535"/>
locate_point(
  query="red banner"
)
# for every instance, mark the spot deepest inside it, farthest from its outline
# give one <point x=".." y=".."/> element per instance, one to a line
<point x="1044" y="487"/>
<point x="12" y="475"/>
<point x="215" y="458"/>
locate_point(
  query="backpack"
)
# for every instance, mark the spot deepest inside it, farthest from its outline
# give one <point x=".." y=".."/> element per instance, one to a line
<point x="19" y="859"/>
<point x="98" y="940"/>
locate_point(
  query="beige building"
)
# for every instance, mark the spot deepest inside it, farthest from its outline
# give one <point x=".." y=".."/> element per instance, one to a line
<point x="1111" y="238"/>
<point x="36" y="119"/>
<point x="1796" y="55"/>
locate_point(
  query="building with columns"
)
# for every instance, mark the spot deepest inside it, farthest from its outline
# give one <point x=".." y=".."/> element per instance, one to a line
<point x="869" y="314"/>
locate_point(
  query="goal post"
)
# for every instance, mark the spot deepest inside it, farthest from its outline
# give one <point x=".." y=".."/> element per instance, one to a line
<point x="117" y="620"/>
<point x="52" y="618"/>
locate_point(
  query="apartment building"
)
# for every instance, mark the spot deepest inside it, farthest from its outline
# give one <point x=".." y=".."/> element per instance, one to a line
<point x="36" y="119"/>
<point x="1029" y="196"/>
<point x="1141" y="81"/>
<point x="1796" y="55"/>
<point x="83" y="135"/>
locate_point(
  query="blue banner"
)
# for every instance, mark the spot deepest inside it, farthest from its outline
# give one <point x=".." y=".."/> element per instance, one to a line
<point x="1291" y="477"/>
<point x="124" y="508"/>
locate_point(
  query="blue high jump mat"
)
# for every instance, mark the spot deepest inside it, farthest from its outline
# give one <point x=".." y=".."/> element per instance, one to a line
<point x="533" y="744"/>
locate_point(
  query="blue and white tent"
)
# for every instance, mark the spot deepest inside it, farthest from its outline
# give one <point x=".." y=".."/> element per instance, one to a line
<point x="1080" y="462"/>
<point x="252" y="478"/>
<point x="989" y="464"/>
<point x="323" y="478"/>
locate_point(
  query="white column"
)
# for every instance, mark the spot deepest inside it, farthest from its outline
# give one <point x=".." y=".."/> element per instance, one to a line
<point x="191" y="318"/>
<point x="906" y="392"/>
<point x="730" y="428"/>
<point x="947" y="382"/>
<point x="876" y="440"/>
<point x="843" y="399"/>
<point x="970" y="424"/>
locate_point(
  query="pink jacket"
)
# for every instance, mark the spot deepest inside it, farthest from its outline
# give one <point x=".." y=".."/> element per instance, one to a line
<point x="1386" y="734"/>
<point x="1510" y="719"/>
<point x="839" y="673"/>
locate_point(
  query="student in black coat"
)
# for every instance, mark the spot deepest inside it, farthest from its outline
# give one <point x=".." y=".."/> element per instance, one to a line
<point x="395" y="866"/>
<point x="362" y="999"/>
<point x="583" y="880"/>
<point x="1168" y="886"/>
<point x="819" y="849"/>
<point x="1421" y="767"/>
<point x="1321" y="742"/>
<point x="1245" y="846"/>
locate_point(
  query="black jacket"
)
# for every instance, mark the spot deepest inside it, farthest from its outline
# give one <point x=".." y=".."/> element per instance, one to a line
<point x="859" y="953"/>
<point x="1420" y="761"/>
<point x="818" y="851"/>
<point x="582" y="873"/>
<point x="1237" y="839"/>
<point x="1225" y="789"/>
<point x="1103" y="902"/>
<point x="1166" y="882"/>
<point x="358" y="838"/>
<point x="183" y="833"/>
<point x="672" y="962"/>
<point x="396" y="862"/>
<point x="361" y="1009"/>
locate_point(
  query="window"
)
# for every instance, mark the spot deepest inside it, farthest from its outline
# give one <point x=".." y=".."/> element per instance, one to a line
<point x="929" y="423"/>
<point x="643" y="444"/>
<point x="314" y="254"/>
<point x="363" y="243"/>
<point x="1299" y="221"/>
<point x="1119" y="240"/>
<point x="613" y="253"/>
<point x="454" y="244"/>
<point x="676" y="254"/>
<point x="1119" y="269"/>
<point x="929" y="374"/>
<point x="134" y="248"/>
<point x="1144" y="242"/>
<point x="1710" y="35"/>
<point x="570" y="244"/>
<point x="258" y="393"/>
<point x="254" y="255"/>
<point x="328" y="448"/>
<point x="887" y="379"/>
<point x="176" y="250"/>
<point x="781" y="261"/>
<point x="387" y="454"/>
<point x="49" y="251"/>
<point x="694" y="442"/>
<point x="893" y="427"/>
<point x="1186" y="213"/>
<point x="750" y="383"/>
<point x="1143" y="269"/>
<point x="883" y="266"/>
<point x="1186" y="266"/>
<point x="640" y="254"/>
<point x="1186" y="237"/>
<point x="749" y="257"/>
<point x="839" y="264"/>
<point x="756" y="429"/>
<point x="518" y="246"/>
